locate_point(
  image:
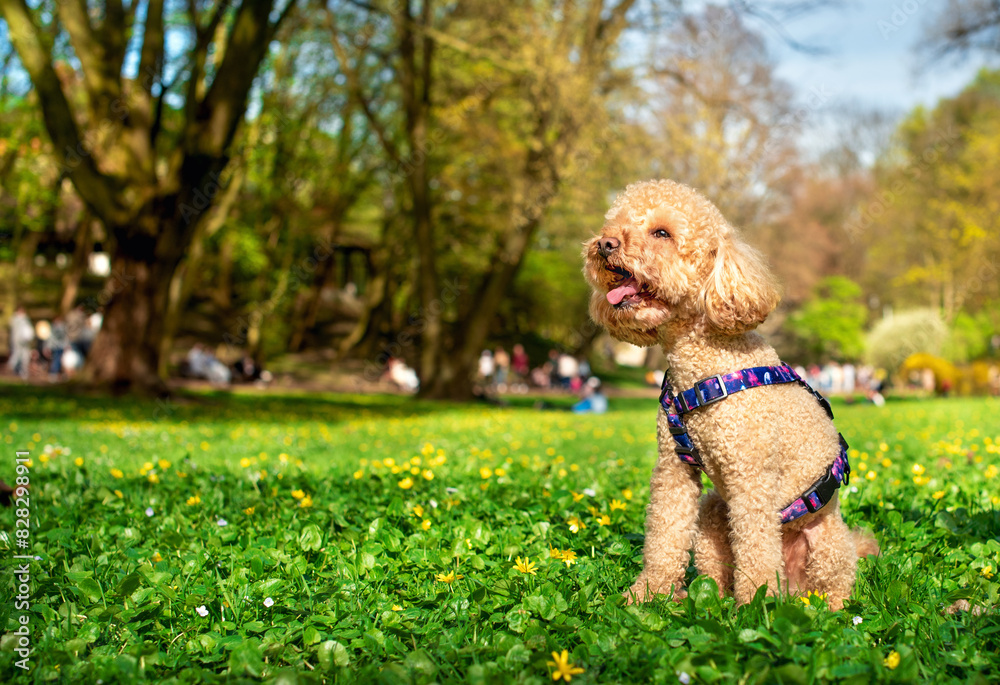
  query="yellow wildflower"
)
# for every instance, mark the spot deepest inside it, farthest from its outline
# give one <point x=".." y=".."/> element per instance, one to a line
<point x="485" y="472"/>
<point x="449" y="577"/>
<point x="918" y="470"/>
<point x="406" y="483"/>
<point x="396" y="607"/>
<point x="991" y="471"/>
<point x="617" y="504"/>
<point x="157" y="558"/>
<point x="428" y="474"/>
<point x="306" y="502"/>
<point x="871" y="475"/>
<point x="117" y="473"/>
<point x="298" y="494"/>
<point x="525" y="565"/>
<point x="119" y="494"/>
<point x="418" y="511"/>
<point x="163" y="464"/>
<point x="193" y="500"/>
<point x="809" y="595"/>
<point x="891" y="661"/>
<point x="153" y="478"/>
<point x="938" y="495"/>
<point x="575" y="524"/>
<point x="245" y="462"/>
<point x="426" y="524"/>
<point x="626" y="493"/>
<point x="563" y="668"/>
<point x="359" y="474"/>
<point x="986" y="571"/>
<point x="604" y="520"/>
<point x="248" y="511"/>
<point x="78" y="461"/>
<point x="577" y="496"/>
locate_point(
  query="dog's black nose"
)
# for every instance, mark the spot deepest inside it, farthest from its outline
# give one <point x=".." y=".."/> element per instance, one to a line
<point x="605" y="246"/>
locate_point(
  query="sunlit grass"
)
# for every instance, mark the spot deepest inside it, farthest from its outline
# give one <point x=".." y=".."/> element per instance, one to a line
<point x="356" y="538"/>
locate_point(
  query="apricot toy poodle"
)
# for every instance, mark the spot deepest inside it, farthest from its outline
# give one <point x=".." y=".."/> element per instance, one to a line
<point x="669" y="270"/>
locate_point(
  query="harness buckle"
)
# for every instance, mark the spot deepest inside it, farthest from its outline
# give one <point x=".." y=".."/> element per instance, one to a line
<point x="702" y="400"/>
<point x="823" y="489"/>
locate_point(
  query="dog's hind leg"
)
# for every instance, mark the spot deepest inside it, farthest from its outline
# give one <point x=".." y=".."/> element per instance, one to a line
<point x="832" y="557"/>
<point x="713" y="553"/>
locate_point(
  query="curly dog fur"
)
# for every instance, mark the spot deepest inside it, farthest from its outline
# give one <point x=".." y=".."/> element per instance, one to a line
<point x="686" y="281"/>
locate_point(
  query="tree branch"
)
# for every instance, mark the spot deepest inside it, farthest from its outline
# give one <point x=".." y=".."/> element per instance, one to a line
<point x="96" y="189"/>
<point x="356" y="89"/>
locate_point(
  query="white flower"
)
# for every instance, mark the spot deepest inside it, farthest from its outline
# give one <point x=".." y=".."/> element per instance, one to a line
<point x="202" y="611"/>
<point x="223" y="522"/>
<point x="451" y="491"/>
<point x="854" y="488"/>
<point x="149" y="511"/>
<point x="684" y="678"/>
<point x="269" y="602"/>
<point x="856" y="620"/>
<point x="589" y="492"/>
<point x="434" y="504"/>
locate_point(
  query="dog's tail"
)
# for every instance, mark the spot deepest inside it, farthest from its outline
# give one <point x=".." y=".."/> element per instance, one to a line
<point x="864" y="542"/>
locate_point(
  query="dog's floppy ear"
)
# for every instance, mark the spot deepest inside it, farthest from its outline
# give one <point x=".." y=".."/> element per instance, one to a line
<point x="740" y="290"/>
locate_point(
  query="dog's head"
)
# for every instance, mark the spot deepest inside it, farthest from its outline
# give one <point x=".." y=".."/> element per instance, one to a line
<point x="667" y="260"/>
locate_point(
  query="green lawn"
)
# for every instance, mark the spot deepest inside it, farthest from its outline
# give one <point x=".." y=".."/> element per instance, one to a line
<point x="222" y="538"/>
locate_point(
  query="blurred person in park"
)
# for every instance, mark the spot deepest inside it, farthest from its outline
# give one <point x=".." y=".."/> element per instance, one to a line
<point x="401" y="375"/>
<point x="568" y="369"/>
<point x="520" y="363"/>
<point x="58" y="341"/>
<point x="487" y="367"/>
<point x="553" y="368"/>
<point x="201" y="363"/>
<point x="79" y="337"/>
<point x="593" y="401"/>
<point x="541" y="376"/>
<point x="501" y="361"/>
<point x="849" y="378"/>
<point x="22" y="335"/>
<point x="43" y="329"/>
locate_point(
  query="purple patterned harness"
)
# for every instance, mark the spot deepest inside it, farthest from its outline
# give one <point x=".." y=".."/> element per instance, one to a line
<point x="715" y="388"/>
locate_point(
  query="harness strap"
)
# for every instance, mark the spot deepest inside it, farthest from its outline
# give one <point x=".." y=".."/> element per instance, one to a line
<point x="715" y="388"/>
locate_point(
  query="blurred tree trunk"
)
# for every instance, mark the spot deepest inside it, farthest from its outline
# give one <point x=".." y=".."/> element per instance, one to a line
<point x="82" y="247"/>
<point x="188" y="275"/>
<point x="149" y="204"/>
<point x="562" y="89"/>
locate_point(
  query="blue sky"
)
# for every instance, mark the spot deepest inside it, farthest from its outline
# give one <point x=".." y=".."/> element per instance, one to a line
<point x="871" y="57"/>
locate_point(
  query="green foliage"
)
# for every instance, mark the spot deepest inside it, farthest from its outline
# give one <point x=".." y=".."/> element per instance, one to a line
<point x="933" y="231"/>
<point x="358" y="567"/>
<point x="895" y="338"/>
<point x="831" y="323"/>
<point x="969" y="337"/>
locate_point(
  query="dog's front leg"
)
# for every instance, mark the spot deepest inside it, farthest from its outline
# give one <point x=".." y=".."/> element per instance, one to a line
<point x="755" y="526"/>
<point x="670" y="527"/>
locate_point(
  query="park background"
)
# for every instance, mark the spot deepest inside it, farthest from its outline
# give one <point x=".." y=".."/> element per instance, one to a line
<point x="323" y="187"/>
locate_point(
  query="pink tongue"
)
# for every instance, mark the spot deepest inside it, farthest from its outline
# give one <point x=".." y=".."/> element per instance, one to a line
<point x="626" y="289"/>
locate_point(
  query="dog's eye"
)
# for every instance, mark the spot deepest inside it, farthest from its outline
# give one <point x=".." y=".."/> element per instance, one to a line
<point x="661" y="233"/>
